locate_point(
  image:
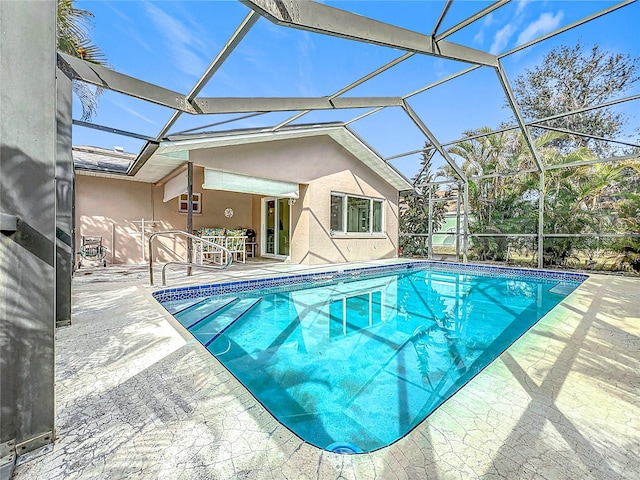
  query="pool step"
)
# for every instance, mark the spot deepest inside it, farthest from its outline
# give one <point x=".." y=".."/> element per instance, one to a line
<point x="199" y="311"/>
<point x="176" y="306"/>
<point x="218" y="322"/>
<point x="562" y="289"/>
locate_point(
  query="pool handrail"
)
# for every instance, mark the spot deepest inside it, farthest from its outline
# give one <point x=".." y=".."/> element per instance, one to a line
<point x="188" y="264"/>
<point x="166" y="233"/>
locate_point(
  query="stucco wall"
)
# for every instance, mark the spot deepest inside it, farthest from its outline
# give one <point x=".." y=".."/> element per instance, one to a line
<point x="325" y="248"/>
<point x="108" y="207"/>
<point x="325" y="166"/>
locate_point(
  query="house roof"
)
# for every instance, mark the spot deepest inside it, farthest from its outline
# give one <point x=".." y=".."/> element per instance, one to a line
<point x="97" y="161"/>
<point x="174" y="151"/>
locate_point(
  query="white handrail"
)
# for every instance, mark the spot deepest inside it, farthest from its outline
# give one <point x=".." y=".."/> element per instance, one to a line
<point x="166" y="233"/>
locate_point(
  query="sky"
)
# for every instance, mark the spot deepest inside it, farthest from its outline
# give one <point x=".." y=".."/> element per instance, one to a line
<point x="171" y="43"/>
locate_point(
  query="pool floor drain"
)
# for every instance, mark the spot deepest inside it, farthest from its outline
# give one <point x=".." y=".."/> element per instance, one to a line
<point x="344" y="448"/>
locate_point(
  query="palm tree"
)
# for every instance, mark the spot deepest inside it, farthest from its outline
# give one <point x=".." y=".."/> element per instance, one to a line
<point x="502" y="203"/>
<point x="73" y="39"/>
<point x="586" y="199"/>
<point x="414" y="212"/>
<point x="628" y="248"/>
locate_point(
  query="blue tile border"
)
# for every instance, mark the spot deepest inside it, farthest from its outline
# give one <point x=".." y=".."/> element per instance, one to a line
<point x="285" y="282"/>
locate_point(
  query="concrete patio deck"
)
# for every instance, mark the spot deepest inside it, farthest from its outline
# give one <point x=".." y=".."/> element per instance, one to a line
<point x="137" y="399"/>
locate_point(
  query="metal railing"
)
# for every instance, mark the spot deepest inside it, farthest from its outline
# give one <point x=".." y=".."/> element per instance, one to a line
<point x="168" y="233"/>
<point x="190" y="264"/>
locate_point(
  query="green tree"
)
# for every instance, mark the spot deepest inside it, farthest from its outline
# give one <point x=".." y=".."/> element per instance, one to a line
<point x="586" y="199"/>
<point x="74" y="39"/>
<point x="628" y="248"/>
<point x="571" y="78"/>
<point x="500" y="203"/>
<point x="414" y="210"/>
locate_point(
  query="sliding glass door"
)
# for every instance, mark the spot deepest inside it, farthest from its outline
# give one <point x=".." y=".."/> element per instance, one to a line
<point x="276" y="224"/>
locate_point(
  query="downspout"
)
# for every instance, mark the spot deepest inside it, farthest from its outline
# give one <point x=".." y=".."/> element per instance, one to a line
<point x="291" y="203"/>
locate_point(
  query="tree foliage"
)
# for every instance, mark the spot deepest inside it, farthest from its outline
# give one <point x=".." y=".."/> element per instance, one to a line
<point x="414" y="211"/>
<point x="500" y="203"/>
<point x="592" y="198"/>
<point x="572" y="78"/>
<point x="587" y="200"/>
<point x="73" y="39"/>
<point x="628" y="248"/>
<point x="579" y="198"/>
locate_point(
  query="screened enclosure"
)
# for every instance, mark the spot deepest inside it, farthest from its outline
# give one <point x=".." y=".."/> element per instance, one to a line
<point x="516" y="122"/>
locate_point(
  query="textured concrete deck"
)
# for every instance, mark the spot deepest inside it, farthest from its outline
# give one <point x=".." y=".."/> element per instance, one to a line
<point x="137" y="399"/>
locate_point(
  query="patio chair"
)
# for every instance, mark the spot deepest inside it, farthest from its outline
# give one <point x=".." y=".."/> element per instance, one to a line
<point x="236" y="244"/>
<point x="209" y="253"/>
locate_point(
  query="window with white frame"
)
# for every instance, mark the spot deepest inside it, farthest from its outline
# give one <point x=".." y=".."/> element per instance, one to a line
<point x="354" y="214"/>
<point x="183" y="203"/>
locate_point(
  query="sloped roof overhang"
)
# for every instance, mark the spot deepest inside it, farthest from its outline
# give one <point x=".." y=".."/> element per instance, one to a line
<point x="174" y="151"/>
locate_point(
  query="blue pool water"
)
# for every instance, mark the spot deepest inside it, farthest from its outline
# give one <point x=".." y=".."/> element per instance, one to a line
<point x="354" y="365"/>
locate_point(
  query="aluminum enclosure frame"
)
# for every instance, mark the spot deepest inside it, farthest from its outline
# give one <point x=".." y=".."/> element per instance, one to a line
<point x="322" y="19"/>
<point x="36" y="236"/>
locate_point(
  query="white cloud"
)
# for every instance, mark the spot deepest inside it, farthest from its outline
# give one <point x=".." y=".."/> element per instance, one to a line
<point x="545" y="23"/>
<point x="134" y="112"/>
<point x="117" y="11"/>
<point x="501" y="38"/>
<point x="182" y="44"/>
<point x="521" y="5"/>
<point x="489" y="20"/>
<point x="486" y="23"/>
<point x="128" y="26"/>
<point x="305" y="65"/>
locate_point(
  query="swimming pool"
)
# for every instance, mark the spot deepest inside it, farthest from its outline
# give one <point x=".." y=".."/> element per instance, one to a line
<point x="352" y="361"/>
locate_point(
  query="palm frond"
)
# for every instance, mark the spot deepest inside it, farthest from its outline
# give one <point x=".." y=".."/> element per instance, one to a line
<point x="73" y="39"/>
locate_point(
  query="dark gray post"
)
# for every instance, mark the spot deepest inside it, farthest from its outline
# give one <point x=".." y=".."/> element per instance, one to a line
<point x="189" y="213"/>
<point x="27" y="224"/>
<point x="458" y="186"/>
<point x="64" y="201"/>
<point x="430" y="239"/>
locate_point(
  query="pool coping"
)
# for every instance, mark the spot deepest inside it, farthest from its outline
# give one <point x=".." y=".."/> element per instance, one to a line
<point x="238" y="286"/>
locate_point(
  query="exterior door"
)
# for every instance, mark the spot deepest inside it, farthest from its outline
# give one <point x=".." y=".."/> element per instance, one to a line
<point x="276" y="227"/>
